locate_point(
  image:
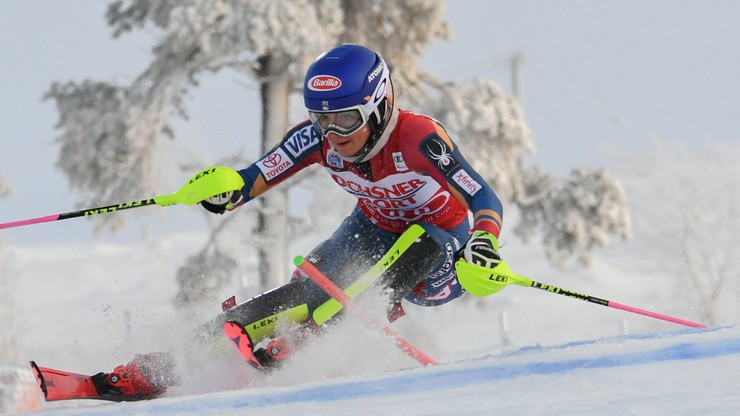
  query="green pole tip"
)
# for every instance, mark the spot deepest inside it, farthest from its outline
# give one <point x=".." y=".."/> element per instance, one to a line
<point x="298" y="260"/>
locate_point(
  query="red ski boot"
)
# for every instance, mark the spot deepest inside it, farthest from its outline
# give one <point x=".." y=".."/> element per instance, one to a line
<point x="272" y="355"/>
<point x="145" y="377"/>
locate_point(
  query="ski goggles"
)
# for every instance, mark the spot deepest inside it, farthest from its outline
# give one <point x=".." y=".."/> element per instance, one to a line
<point x="344" y="122"/>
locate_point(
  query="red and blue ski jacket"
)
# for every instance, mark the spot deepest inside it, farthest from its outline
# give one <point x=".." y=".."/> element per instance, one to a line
<point x="419" y="176"/>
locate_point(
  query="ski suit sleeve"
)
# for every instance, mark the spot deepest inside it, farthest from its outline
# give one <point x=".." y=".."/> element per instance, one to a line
<point x="432" y="152"/>
<point x="299" y="148"/>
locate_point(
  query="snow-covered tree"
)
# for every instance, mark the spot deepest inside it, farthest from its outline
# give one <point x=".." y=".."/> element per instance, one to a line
<point x="401" y="30"/>
<point x="5" y="187"/>
<point x="686" y="209"/>
<point x="8" y="305"/>
<point x="572" y="215"/>
<point x="110" y="132"/>
<point x="8" y="284"/>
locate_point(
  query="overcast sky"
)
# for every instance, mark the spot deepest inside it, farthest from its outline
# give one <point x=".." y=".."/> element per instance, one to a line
<point x="597" y="76"/>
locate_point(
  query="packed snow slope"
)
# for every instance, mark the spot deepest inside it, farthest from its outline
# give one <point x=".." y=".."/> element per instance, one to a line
<point x="687" y="372"/>
<point x="88" y="308"/>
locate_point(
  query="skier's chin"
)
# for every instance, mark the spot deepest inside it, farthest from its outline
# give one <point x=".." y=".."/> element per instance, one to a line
<point x="345" y="148"/>
<point x="348" y="146"/>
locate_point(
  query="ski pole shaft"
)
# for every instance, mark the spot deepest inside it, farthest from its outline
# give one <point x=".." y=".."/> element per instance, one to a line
<point x="205" y="184"/>
<point x="335" y="292"/>
<point x="482" y="281"/>
<point x="82" y="213"/>
<point x="522" y="281"/>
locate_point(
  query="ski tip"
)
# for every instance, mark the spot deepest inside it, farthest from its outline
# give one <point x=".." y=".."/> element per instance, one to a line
<point x="40" y="379"/>
<point x="298" y="260"/>
<point x="232" y="329"/>
<point x="238" y="335"/>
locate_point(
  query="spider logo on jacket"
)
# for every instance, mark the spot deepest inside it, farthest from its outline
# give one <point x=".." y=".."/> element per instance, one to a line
<point x="438" y="151"/>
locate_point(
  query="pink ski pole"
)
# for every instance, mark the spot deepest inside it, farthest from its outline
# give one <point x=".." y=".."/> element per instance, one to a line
<point x="205" y="184"/>
<point x="82" y="213"/>
<point x="482" y="281"/>
<point x="608" y="303"/>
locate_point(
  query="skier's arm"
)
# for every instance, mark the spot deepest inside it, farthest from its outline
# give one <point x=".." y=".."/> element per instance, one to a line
<point x="443" y="161"/>
<point x="471" y="190"/>
<point x="299" y="148"/>
<point x="435" y="154"/>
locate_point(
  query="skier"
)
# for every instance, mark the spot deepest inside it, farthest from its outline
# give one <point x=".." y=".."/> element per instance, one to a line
<point x="407" y="175"/>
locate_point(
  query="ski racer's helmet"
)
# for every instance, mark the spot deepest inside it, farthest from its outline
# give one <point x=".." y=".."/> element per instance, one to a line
<point x="354" y="81"/>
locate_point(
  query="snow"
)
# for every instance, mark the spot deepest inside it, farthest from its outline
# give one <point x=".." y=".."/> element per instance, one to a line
<point x="90" y="307"/>
<point x="681" y="372"/>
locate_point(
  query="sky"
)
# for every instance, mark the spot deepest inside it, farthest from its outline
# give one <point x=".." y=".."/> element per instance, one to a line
<point x="597" y="77"/>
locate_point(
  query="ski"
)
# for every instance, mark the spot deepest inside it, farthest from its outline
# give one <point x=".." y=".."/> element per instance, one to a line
<point x="64" y="385"/>
<point x="236" y="332"/>
<point x="267" y="357"/>
<point x="147" y="376"/>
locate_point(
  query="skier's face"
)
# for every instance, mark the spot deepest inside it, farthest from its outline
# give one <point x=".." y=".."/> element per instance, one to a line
<point x="351" y="145"/>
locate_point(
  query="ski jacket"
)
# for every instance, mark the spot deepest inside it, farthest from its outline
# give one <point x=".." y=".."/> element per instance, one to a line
<point x="419" y="176"/>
